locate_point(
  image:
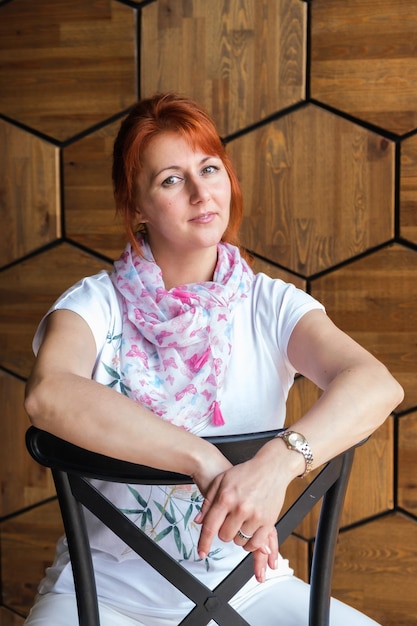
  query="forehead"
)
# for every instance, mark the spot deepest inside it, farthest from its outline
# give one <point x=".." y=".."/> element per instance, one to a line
<point x="168" y="145"/>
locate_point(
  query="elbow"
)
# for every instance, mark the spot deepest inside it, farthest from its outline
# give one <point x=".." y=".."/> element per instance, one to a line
<point x="398" y="394"/>
<point x="34" y="404"/>
<point x="391" y="392"/>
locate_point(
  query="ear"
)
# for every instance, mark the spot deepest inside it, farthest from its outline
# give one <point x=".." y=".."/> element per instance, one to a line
<point x="140" y="216"/>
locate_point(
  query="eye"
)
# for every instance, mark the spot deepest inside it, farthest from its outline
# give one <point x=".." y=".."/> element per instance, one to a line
<point x="171" y="180"/>
<point x="210" y="169"/>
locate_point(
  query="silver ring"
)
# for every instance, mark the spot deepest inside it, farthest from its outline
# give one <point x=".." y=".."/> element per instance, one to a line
<point x="242" y="535"/>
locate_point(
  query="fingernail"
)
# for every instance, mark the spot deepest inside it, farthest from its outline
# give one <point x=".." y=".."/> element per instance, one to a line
<point x="202" y="555"/>
<point x="267" y="550"/>
<point x="198" y="518"/>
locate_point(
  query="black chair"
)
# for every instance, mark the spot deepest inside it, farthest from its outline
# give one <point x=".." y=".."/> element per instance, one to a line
<point x="72" y="467"/>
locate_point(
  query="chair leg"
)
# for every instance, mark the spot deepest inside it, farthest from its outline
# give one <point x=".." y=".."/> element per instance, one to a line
<point x="325" y="545"/>
<point x="79" y="550"/>
<point x="209" y="605"/>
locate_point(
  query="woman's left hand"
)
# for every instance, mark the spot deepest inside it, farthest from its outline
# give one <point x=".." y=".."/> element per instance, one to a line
<point x="248" y="498"/>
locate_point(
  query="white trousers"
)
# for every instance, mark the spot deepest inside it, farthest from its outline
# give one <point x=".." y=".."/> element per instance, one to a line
<point x="282" y="601"/>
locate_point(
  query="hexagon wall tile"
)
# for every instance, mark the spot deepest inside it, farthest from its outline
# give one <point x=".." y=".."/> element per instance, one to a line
<point x="364" y="60"/>
<point x="29" y="192"/>
<point x="28" y="547"/>
<point x="66" y="65"/>
<point x="89" y="215"/>
<point x="247" y="58"/>
<point x="407" y="463"/>
<point x="27" y="290"/>
<point x="277" y="272"/>
<point x="360" y="580"/>
<point x="408" y="189"/>
<point x="320" y="190"/>
<point x="374" y="299"/>
<point x="23" y="482"/>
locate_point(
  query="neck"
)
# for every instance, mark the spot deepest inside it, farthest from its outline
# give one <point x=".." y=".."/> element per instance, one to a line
<point x="188" y="268"/>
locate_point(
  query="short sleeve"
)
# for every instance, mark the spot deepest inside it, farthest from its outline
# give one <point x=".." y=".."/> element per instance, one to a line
<point x="279" y="307"/>
<point x="95" y="300"/>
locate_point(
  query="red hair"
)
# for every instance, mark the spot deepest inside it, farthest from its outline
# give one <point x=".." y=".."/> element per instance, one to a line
<point x="147" y="119"/>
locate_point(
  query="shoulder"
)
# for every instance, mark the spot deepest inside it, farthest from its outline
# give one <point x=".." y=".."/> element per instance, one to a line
<point x="275" y="307"/>
<point x="95" y="299"/>
<point x="277" y="295"/>
<point x="97" y="288"/>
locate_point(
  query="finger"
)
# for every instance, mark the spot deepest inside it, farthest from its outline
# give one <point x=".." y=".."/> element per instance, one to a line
<point x="205" y="507"/>
<point x="207" y="503"/>
<point x="207" y="534"/>
<point x="211" y="525"/>
<point x="242" y="537"/>
<point x="260" y="561"/>
<point x="273" y="546"/>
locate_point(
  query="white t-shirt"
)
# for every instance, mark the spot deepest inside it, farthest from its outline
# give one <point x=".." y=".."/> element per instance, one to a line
<point x="253" y="398"/>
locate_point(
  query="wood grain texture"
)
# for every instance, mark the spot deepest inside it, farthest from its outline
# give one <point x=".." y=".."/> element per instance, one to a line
<point x="374" y="300"/>
<point x="89" y="216"/>
<point x="29" y="192"/>
<point x="277" y="272"/>
<point x="364" y="62"/>
<point x="376" y="570"/>
<point x="408" y="189"/>
<point x="66" y="66"/>
<point x="28" y="548"/>
<point x="319" y="191"/>
<point x="296" y="550"/>
<point x="243" y="60"/>
<point x="23" y="482"/>
<point x="374" y="460"/>
<point x="407" y="463"/>
<point x="9" y="618"/>
<point x="28" y="290"/>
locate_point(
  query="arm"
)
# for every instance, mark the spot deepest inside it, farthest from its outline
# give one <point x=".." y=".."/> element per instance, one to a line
<point x="62" y="398"/>
<point x="358" y="395"/>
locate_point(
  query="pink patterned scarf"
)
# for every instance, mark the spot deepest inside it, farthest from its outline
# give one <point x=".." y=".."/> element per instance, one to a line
<point x="176" y="344"/>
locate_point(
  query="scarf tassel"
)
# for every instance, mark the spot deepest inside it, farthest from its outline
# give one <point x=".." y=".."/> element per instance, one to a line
<point x="217" y="418"/>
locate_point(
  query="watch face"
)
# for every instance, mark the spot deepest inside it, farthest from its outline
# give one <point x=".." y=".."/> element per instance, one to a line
<point x="295" y="439"/>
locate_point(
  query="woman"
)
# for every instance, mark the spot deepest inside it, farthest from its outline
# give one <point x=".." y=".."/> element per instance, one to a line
<point x="181" y="341"/>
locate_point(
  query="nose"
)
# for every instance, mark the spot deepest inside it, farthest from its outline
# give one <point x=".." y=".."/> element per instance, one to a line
<point x="199" y="191"/>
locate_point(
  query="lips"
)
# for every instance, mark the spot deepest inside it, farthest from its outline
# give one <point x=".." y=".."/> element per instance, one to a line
<point x="204" y="218"/>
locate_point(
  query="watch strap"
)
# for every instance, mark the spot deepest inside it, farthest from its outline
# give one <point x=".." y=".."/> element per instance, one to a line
<point x="299" y="444"/>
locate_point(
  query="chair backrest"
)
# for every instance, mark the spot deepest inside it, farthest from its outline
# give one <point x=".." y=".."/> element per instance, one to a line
<point x="73" y="467"/>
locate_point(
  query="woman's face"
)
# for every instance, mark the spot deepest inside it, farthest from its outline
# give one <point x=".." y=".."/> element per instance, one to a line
<point x="183" y="196"/>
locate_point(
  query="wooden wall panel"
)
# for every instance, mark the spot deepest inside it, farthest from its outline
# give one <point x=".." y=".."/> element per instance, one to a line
<point x="28" y="548"/>
<point x="320" y="191"/>
<point x="374" y="299"/>
<point x="29" y="192"/>
<point x="74" y="59"/>
<point x="28" y="290"/>
<point x="363" y="60"/>
<point x="407" y="463"/>
<point x="327" y="179"/>
<point x="9" y="618"/>
<point x="244" y="60"/>
<point x="385" y="593"/>
<point x="88" y="193"/>
<point x="23" y="482"/>
<point x="408" y="189"/>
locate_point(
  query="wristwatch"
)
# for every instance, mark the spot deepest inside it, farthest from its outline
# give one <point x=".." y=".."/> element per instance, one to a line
<point x="298" y="443"/>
